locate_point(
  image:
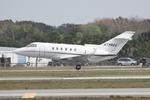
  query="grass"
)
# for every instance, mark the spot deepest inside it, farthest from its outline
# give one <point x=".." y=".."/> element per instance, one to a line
<point x="74" y="73"/>
<point x="84" y="98"/>
<point x="66" y="84"/>
<point x="70" y="72"/>
<point x="63" y="84"/>
<point x="69" y="67"/>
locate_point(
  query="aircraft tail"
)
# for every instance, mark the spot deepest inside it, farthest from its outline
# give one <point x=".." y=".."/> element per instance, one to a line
<point x="114" y="45"/>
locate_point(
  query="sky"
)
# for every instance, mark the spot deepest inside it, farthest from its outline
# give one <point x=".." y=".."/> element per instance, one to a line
<point x="57" y="12"/>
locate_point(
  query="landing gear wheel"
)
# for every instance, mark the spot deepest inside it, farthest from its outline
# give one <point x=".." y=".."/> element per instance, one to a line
<point x="28" y="63"/>
<point x="78" y="67"/>
<point x="132" y="64"/>
<point x="119" y="64"/>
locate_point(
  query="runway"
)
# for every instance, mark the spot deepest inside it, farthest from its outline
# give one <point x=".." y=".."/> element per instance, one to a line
<point x="74" y="78"/>
<point x="76" y="92"/>
<point x="82" y="70"/>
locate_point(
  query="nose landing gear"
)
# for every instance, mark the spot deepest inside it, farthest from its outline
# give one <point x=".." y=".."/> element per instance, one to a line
<point x="78" y="67"/>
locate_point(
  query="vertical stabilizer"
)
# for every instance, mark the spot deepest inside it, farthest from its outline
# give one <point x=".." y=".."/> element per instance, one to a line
<point x="114" y="45"/>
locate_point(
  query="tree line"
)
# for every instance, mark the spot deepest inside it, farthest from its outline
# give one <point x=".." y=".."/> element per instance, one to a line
<point x="21" y="33"/>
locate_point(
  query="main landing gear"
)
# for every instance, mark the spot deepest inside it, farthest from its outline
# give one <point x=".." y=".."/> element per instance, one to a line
<point x="28" y="63"/>
<point x="78" y="67"/>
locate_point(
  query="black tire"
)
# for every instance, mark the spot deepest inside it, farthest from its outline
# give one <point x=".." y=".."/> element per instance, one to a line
<point x="78" y="67"/>
<point x="132" y="64"/>
<point x="119" y="64"/>
<point x="28" y="63"/>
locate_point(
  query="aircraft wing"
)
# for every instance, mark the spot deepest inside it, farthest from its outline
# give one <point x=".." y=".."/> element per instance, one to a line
<point x="68" y="56"/>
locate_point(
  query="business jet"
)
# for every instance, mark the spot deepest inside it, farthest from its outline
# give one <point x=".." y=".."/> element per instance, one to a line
<point x="88" y="52"/>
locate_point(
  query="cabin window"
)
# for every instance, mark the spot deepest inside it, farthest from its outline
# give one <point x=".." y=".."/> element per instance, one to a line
<point x="66" y="49"/>
<point x="70" y="49"/>
<point x="52" y="48"/>
<point x="75" y="49"/>
<point x="57" y="48"/>
<point x="61" y="48"/>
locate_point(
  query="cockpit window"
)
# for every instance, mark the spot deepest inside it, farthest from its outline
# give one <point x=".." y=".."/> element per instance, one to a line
<point x="32" y="45"/>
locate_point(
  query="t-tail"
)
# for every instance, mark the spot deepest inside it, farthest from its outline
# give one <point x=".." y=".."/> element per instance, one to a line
<point x="114" y="45"/>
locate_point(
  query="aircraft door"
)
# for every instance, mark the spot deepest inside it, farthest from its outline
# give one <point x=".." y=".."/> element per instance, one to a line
<point x="41" y="52"/>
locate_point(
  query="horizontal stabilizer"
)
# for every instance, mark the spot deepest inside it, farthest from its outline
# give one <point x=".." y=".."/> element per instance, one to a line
<point x="126" y="35"/>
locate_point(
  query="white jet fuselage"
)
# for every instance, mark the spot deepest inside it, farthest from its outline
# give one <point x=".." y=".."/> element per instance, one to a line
<point x="62" y="51"/>
<point x="93" y="53"/>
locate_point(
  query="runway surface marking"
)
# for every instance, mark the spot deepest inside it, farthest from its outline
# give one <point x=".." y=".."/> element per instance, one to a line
<point x="78" y="92"/>
<point x="73" y="78"/>
<point x="29" y="95"/>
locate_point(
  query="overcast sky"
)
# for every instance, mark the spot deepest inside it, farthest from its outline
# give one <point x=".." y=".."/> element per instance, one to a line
<point x="57" y="12"/>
